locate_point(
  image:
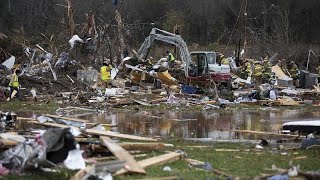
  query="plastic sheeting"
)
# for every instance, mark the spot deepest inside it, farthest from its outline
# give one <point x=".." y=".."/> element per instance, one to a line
<point x="9" y="62"/>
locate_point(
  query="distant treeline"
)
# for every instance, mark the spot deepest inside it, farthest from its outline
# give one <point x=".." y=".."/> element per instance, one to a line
<point x="264" y="26"/>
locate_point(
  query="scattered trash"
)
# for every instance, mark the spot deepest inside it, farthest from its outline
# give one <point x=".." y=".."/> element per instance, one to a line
<point x="167" y="169"/>
<point x="7" y="121"/>
<point x="9" y="62"/>
<point x="279" y="177"/>
<point x="74" y="160"/>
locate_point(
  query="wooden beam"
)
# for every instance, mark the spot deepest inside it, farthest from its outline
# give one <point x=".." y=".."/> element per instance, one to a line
<point x="82" y="173"/>
<point x="263" y="133"/>
<point x="132" y="147"/>
<point x="66" y="118"/>
<point x="118" y="135"/>
<point x="122" y="154"/>
<point x="165" y="158"/>
<point x="96" y="132"/>
<point x="4" y="143"/>
<point x="88" y="123"/>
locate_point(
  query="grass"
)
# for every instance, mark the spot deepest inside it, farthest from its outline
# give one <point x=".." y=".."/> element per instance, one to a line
<point x="28" y="106"/>
<point x="246" y="163"/>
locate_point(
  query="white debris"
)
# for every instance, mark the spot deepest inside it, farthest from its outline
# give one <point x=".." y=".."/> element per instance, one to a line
<point x="167" y="168"/>
<point x="75" y="160"/>
<point x="75" y="38"/>
<point x="9" y="62"/>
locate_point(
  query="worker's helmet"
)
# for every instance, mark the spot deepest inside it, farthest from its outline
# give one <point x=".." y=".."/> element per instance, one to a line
<point x="291" y="62"/>
<point x="105" y="63"/>
<point x="222" y="56"/>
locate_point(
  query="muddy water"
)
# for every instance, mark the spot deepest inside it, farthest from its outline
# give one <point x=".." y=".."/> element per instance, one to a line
<point x="198" y="124"/>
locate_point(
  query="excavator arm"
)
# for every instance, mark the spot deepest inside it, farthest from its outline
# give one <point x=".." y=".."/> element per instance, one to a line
<point x="161" y="35"/>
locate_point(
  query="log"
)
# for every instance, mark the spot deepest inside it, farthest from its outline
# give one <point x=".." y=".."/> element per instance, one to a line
<point x="122" y="154"/>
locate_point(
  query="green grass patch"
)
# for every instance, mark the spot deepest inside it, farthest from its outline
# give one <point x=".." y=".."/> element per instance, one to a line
<point x="28" y="106"/>
<point x="245" y="162"/>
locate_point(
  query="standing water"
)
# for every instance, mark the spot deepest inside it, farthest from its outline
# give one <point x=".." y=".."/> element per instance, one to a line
<point x="200" y="124"/>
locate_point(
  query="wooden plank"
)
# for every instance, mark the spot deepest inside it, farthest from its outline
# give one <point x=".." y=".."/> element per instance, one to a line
<point x="165" y="158"/>
<point x="278" y="71"/>
<point x="133" y="147"/>
<point x="118" y="135"/>
<point x="263" y="133"/>
<point x="97" y="132"/>
<point x="66" y="118"/>
<point x="50" y="124"/>
<point x="82" y="173"/>
<point x="122" y="154"/>
<point x="88" y="123"/>
<point x="4" y="143"/>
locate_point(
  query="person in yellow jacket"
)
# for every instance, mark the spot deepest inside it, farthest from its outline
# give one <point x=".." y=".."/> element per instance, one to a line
<point x="246" y="69"/>
<point x="267" y="71"/>
<point x="294" y="72"/>
<point x="258" y="69"/>
<point x="224" y="60"/>
<point x="170" y="59"/>
<point x="105" y="74"/>
<point x="14" y="84"/>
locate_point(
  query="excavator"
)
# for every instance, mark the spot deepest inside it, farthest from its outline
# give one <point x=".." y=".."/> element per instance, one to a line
<point x="199" y="67"/>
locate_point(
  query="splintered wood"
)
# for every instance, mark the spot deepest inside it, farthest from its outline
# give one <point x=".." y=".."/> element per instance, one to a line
<point x="121" y="154"/>
<point x="96" y="132"/>
<point x="165" y="158"/>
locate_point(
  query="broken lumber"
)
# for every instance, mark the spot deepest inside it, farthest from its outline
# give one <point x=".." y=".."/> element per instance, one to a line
<point x="133" y="147"/>
<point x="122" y="154"/>
<point x="118" y="135"/>
<point x="263" y="133"/>
<point x="96" y="132"/>
<point x="165" y="158"/>
<point x="4" y="143"/>
<point x="66" y="118"/>
<point x="82" y="173"/>
<point x="157" y="160"/>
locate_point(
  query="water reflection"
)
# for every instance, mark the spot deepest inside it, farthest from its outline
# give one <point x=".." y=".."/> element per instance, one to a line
<point x="201" y="124"/>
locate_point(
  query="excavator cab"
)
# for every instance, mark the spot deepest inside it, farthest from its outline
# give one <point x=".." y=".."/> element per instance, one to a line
<point x="204" y="67"/>
<point x="199" y="65"/>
